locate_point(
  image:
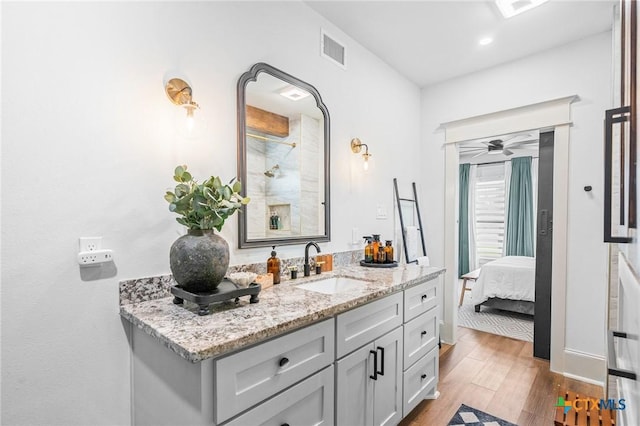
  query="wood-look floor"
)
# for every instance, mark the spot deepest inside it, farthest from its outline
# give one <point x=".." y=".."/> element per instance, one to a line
<point x="498" y="375"/>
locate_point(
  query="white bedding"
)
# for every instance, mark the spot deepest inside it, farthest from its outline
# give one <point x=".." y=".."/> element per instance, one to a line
<point x="511" y="277"/>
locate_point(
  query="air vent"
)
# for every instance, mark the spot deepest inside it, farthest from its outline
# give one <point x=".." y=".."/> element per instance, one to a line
<point x="333" y="50"/>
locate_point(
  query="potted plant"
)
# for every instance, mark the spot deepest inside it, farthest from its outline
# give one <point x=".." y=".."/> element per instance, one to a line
<point x="199" y="259"/>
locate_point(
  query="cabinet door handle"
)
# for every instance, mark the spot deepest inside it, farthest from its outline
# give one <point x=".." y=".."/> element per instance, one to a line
<point x="283" y="361"/>
<point x="424" y="376"/>
<point x="613" y="117"/>
<point x="423" y="298"/>
<point x="423" y="333"/>
<point x="381" y="349"/>
<point x="375" y="365"/>
<point x="611" y="357"/>
<point x="284" y="424"/>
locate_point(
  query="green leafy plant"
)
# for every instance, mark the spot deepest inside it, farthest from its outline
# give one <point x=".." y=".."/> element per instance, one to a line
<point x="204" y="205"/>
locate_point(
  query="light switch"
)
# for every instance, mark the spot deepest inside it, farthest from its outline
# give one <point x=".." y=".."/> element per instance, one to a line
<point x="381" y="211"/>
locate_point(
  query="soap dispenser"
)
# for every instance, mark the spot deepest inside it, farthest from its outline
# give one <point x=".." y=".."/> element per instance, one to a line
<point x="273" y="266"/>
<point x="368" y="250"/>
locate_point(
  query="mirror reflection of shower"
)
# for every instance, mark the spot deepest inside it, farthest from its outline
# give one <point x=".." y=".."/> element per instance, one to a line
<point x="272" y="171"/>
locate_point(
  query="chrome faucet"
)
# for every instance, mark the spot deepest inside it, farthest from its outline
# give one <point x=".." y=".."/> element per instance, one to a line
<point x="307" y="267"/>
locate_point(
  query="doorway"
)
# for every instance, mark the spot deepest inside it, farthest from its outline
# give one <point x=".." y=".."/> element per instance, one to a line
<point x="549" y="115"/>
<point x="511" y="282"/>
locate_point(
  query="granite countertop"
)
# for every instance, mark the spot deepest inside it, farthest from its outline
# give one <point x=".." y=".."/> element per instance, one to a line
<point x="281" y="308"/>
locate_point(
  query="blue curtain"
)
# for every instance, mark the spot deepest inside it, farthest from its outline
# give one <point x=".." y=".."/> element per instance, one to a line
<point x="519" y="238"/>
<point x="463" y="224"/>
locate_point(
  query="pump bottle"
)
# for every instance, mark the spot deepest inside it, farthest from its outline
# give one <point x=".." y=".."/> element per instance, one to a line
<point x="273" y="266"/>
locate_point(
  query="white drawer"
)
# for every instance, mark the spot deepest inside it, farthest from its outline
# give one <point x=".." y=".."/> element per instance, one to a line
<point x="420" y="336"/>
<point x="310" y="402"/>
<point x="420" y="381"/>
<point x="250" y="376"/>
<point x="420" y="299"/>
<point x="363" y="325"/>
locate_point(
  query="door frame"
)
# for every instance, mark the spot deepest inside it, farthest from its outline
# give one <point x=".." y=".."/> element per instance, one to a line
<point x="553" y="115"/>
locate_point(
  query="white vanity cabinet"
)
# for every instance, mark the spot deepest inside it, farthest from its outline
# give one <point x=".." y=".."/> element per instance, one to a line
<point x="369" y="383"/>
<point x="362" y="325"/>
<point x="288" y="379"/>
<point x="420" y="338"/>
<point x="248" y="377"/>
<point x="387" y="357"/>
<point x="369" y="379"/>
<point x="370" y="365"/>
<point x="310" y="402"/>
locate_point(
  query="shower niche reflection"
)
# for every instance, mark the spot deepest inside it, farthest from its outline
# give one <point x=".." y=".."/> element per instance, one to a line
<point x="282" y="159"/>
<point x="277" y="171"/>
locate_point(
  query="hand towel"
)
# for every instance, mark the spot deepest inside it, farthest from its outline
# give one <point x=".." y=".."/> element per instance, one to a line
<point x="411" y="237"/>
<point x="423" y="261"/>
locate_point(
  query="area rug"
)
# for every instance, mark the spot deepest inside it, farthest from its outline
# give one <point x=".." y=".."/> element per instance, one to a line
<point x="496" y="321"/>
<point x="472" y="417"/>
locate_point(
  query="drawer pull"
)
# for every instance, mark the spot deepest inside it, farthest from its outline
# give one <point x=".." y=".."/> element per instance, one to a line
<point x="284" y="424"/>
<point x="284" y="361"/>
<point x="424" y="376"/>
<point x="423" y="298"/>
<point x="423" y="333"/>
<point x="375" y="365"/>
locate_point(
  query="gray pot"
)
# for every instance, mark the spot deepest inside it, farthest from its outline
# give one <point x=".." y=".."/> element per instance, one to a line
<point x="199" y="260"/>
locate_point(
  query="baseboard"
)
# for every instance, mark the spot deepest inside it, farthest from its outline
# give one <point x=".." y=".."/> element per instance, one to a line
<point x="442" y="330"/>
<point x="585" y="367"/>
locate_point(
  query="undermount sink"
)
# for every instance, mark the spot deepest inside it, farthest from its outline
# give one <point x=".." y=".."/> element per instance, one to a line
<point x="334" y="285"/>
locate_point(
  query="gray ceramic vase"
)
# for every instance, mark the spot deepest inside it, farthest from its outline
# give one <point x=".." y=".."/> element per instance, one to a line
<point x="199" y="260"/>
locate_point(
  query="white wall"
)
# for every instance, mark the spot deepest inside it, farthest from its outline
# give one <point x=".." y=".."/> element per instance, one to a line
<point x="581" y="68"/>
<point x="89" y="144"/>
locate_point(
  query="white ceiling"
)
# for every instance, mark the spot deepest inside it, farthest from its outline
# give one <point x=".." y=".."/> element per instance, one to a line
<point x="431" y="41"/>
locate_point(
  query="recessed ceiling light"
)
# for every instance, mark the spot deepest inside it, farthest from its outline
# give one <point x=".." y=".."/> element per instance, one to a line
<point x="294" y="93"/>
<point x="510" y="8"/>
<point x="484" y="41"/>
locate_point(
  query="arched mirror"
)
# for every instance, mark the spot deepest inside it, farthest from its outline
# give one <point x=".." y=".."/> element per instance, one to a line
<point x="283" y="159"/>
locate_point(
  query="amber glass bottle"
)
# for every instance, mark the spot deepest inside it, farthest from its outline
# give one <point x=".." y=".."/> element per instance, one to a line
<point x="273" y="266"/>
<point x="388" y="252"/>
<point x="368" y="251"/>
<point x="381" y="254"/>
<point x="375" y="244"/>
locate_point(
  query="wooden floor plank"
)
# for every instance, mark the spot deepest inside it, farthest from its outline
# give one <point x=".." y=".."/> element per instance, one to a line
<point x="454" y="356"/>
<point x="510" y="398"/>
<point x="464" y="371"/>
<point x="483" y="350"/>
<point x="497" y="375"/>
<point x="494" y="373"/>
<point x="476" y="396"/>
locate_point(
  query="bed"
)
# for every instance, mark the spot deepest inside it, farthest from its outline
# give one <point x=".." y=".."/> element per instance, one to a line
<point x="507" y="283"/>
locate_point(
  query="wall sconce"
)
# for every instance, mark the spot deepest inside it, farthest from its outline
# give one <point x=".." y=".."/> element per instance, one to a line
<point x="180" y="93"/>
<point x="356" y="147"/>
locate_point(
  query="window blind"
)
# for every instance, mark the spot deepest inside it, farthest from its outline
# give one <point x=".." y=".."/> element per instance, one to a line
<point x="489" y="212"/>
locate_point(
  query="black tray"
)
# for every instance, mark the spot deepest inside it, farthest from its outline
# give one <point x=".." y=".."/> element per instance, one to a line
<point x="226" y="290"/>
<point x="378" y="265"/>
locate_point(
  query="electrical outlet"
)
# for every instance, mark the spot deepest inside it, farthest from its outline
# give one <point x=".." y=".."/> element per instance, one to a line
<point x="90" y="243"/>
<point x="381" y="212"/>
<point x="355" y="236"/>
<point x="94" y="257"/>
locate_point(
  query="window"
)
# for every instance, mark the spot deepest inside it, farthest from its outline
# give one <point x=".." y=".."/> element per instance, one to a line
<point x="489" y="212"/>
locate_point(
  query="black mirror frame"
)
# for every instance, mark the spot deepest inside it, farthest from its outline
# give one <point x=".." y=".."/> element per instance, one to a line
<point x="252" y="75"/>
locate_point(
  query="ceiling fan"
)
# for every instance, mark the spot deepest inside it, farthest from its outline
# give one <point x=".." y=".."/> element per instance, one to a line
<point x="506" y="147"/>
